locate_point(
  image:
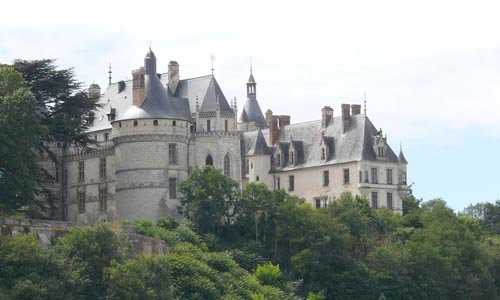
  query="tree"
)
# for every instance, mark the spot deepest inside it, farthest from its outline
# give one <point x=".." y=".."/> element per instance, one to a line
<point x="65" y="109"/>
<point x="143" y="277"/>
<point x="94" y="248"/>
<point x="20" y="133"/>
<point x="208" y="199"/>
<point x="27" y="271"/>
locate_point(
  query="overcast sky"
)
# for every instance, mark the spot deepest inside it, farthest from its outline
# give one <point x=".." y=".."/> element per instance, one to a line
<point x="430" y="69"/>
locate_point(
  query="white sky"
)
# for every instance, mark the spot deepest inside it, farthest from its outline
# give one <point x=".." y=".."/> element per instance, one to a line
<point x="431" y="69"/>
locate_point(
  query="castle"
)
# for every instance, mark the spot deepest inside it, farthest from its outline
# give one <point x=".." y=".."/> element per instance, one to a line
<point x="152" y="130"/>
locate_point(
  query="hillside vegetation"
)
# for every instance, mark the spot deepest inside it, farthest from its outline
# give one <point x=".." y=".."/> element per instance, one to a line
<point x="268" y="245"/>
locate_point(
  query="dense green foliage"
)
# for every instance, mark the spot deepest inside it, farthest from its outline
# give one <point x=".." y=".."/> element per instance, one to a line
<point x="39" y="106"/>
<point x="20" y="133"/>
<point x="274" y="246"/>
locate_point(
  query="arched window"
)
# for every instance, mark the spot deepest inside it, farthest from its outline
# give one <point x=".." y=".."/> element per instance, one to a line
<point x="136" y="123"/>
<point x="227" y="166"/>
<point x="155" y="122"/>
<point x="209" y="161"/>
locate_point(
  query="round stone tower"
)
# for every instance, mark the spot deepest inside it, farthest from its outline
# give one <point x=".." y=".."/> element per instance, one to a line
<point x="151" y="145"/>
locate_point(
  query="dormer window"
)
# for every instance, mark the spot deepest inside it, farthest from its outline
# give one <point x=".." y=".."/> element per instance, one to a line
<point x="380" y="144"/>
<point x="323" y="153"/>
<point x="278" y="160"/>
<point x="292" y="157"/>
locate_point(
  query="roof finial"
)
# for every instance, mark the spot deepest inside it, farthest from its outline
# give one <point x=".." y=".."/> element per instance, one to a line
<point x="212" y="58"/>
<point x="400" y="146"/>
<point x="251" y="65"/>
<point x="109" y="74"/>
<point x="365" y="103"/>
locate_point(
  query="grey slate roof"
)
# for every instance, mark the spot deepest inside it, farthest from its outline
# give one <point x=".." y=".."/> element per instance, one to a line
<point x="118" y="95"/>
<point x="253" y="113"/>
<point x="158" y="103"/>
<point x="401" y="157"/>
<point x="260" y="146"/>
<point x="207" y="90"/>
<point x="251" y="79"/>
<point x="354" y="145"/>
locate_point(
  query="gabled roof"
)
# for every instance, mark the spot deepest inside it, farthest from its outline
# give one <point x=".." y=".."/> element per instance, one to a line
<point x="354" y="145"/>
<point x="208" y="92"/>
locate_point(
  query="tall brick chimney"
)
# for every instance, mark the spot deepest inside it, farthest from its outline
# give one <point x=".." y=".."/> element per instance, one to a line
<point x="272" y="122"/>
<point x="138" y="87"/>
<point x="326" y="116"/>
<point x="346" y="117"/>
<point x="355" y="109"/>
<point x="284" y="120"/>
<point x="173" y="75"/>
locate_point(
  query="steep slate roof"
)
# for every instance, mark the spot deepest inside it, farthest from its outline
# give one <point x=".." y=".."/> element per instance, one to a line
<point x="253" y="113"/>
<point x="260" y="146"/>
<point x="401" y="157"/>
<point x="354" y="145"/>
<point x="205" y="87"/>
<point x="207" y="90"/>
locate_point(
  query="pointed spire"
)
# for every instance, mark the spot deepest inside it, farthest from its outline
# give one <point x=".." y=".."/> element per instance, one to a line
<point x="150" y="63"/>
<point x="365" y="104"/>
<point x="212" y="58"/>
<point x="401" y="156"/>
<point x="109" y="74"/>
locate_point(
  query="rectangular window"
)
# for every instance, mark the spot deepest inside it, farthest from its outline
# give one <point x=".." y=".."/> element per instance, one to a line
<point x="278" y="160"/>
<point x="317" y="203"/>
<point x="291" y="183"/>
<point x="208" y="125"/>
<point x="326" y="178"/>
<point x="278" y="183"/>
<point x="360" y="176"/>
<point x="374" y="175"/>
<point x="106" y="136"/>
<point x="81" y="202"/>
<point x="346" y="176"/>
<point x="172" y="153"/>
<point x="389" y="201"/>
<point x="172" y="188"/>
<point x="389" y="176"/>
<point x="366" y="177"/>
<point x="81" y="171"/>
<point x="103" y="199"/>
<point x="247" y="167"/>
<point x="102" y="168"/>
<point x="225" y="125"/>
<point x="374" y="200"/>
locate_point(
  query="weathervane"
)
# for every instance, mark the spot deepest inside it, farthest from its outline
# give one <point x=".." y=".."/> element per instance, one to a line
<point x="212" y="58"/>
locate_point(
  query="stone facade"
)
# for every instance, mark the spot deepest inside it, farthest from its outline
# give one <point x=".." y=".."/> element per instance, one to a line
<point x="152" y="130"/>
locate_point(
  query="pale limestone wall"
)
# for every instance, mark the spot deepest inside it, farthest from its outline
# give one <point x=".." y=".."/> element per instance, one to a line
<point x="309" y="181"/>
<point x="91" y="186"/>
<point x="258" y="170"/>
<point x="143" y="169"/>
<point x="216" y="124"/>
<point x="217" y="144"/>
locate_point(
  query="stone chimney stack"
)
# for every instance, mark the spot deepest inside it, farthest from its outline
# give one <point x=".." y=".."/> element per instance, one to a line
<point x="326" y="116"/>
<point x="173" y="75"/>
<point x="284" y="120"/>
<point x="272" y="122"/>
<point x="346" y="117"/>
<point x="355" y="109"/>
<point x="138" y="86"/>
<point x="94" y="91"/>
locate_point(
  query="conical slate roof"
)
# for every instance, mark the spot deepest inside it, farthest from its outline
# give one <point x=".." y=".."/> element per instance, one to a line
<point x="260" y="146"/>
<point x="401" y="157"/>
<point x="158" y="103"/>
